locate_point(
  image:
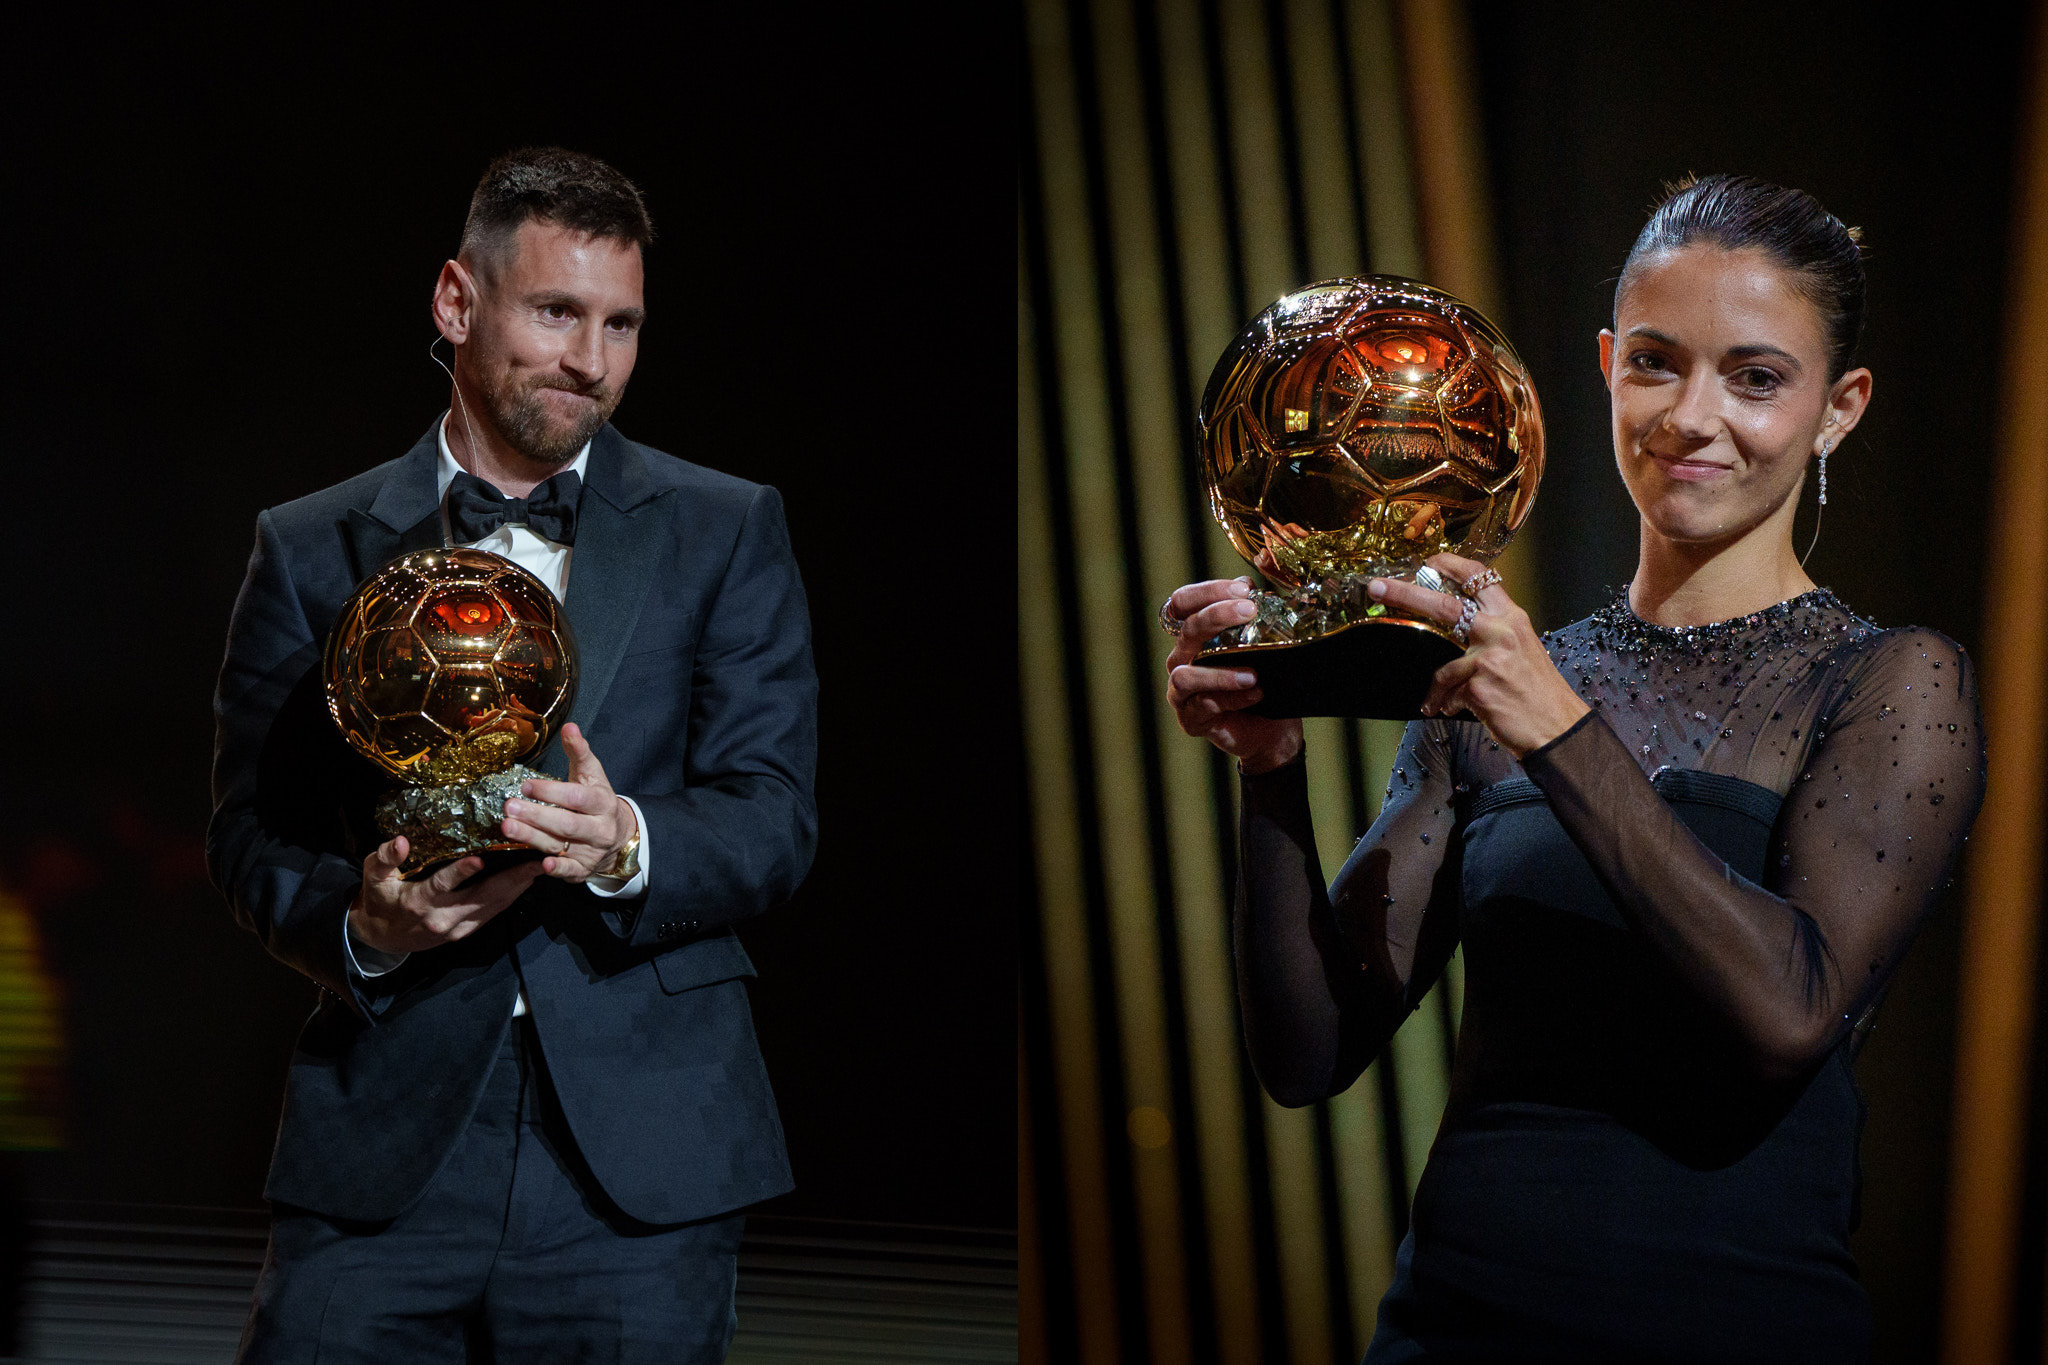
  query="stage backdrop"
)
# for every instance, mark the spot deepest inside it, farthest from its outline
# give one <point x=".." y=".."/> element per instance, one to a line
<point x="235" y="231"/>
<point x="1183" y="164"/>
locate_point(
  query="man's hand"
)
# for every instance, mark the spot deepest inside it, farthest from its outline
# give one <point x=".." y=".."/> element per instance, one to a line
<point x="584" y="823"/>
<point x="396" y="916"/>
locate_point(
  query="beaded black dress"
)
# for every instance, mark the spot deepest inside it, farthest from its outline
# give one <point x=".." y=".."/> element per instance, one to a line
<point x="1676" y="918"/>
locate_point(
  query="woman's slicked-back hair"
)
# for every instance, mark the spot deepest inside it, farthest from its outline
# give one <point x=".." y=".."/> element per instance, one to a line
<point x="1735" y="212"/>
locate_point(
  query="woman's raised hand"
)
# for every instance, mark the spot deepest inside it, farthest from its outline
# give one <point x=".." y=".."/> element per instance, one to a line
<point x="1210" y="701"/>
<point x="1506" y="679"/>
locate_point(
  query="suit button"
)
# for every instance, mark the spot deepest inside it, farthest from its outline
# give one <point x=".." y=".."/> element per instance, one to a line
<point x="667" y="929"/>
<point x="690" y="926"/>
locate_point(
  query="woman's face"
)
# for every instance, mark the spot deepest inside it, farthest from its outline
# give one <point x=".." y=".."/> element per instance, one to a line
<point x="1718" y="373"/>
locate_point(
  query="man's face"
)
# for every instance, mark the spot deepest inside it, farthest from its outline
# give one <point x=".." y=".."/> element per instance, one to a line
<point x="553" y="336"/>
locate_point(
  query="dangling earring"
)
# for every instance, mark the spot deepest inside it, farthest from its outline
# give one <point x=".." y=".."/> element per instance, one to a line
<point x="1826" y="446"/>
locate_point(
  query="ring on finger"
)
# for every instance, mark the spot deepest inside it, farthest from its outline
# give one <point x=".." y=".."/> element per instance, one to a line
<point x="1168" y="622"/>
<point x="1478" y="583"/>
<point x="1461" y="629"/>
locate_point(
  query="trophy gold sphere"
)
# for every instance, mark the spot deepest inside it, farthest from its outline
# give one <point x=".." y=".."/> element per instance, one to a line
<point x="1367" y="424"/>
<point x="446" y="669"/>
<point x="1354" y="429"/>
<point x="447" y="665"/>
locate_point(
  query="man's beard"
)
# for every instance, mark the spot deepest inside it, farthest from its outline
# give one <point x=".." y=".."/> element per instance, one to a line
<point x="522" y="419"/>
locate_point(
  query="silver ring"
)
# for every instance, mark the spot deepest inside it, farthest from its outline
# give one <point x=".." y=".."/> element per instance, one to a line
<point x="1168" y="622"/>
<point x="1479" y="583"/>
<point x="1461" y="629"/>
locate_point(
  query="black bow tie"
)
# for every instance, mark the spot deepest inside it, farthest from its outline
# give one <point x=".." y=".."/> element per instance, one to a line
<point x="475" y="509"/>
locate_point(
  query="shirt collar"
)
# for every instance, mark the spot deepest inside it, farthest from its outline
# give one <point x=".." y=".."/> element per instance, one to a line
<point x="449" y="467"/>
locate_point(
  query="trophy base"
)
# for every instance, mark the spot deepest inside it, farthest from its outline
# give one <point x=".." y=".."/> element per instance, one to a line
<point x="442" y="824"/>
<point x="1379" y="668"/>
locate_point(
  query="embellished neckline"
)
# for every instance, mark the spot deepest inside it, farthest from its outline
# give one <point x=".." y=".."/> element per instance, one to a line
<point x="1805" y="616"/>
<point x="1817" y="598"/>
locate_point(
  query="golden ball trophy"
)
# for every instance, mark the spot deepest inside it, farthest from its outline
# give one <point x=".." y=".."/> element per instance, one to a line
<point x="1354" y="429"/>
<point x="446" y="669"/>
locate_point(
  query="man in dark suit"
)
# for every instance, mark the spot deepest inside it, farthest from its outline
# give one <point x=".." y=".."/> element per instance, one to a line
<point x="525" y="1117"/>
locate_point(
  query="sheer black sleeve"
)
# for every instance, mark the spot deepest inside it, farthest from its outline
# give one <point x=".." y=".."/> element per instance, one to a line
<point x="1864" y="844"/>
<point x="1323" y="986"/>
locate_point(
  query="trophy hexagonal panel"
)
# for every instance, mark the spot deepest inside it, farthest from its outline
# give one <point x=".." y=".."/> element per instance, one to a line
<point x="1359" y="426"/>
<point x="447" y="665"/>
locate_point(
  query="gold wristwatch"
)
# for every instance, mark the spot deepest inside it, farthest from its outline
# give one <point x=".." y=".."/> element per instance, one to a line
<point x="625" y="864"/>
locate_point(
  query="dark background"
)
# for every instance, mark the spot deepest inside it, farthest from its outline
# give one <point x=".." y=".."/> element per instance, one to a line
<point x="1901" y="122"/>
<point x="223" y="242"/>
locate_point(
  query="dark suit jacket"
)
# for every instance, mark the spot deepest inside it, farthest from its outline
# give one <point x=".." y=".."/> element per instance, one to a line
<point x="697" y="694"/>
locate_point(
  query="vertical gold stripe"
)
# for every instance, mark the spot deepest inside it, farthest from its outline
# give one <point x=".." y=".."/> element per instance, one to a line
<point x="1055" y="821"/>
<point x="1212" y="320"/>
<point x="1383" y="139"/>
<point x="1262" y="201"/>
<point x="1454" y="982"/>
<point x="1329" y="792"/>
<point x="1995" y="1012"/>
<point x="1216" y="1052"/>
<point x="1380" y="744"/>
<point x="1159" y="469"/>
<point x="1261" y="166"/>
<point x="1298" y="1226"/>
<point x="1105" y="589"/>
<point x="1421" y="1062"/>
<point x="1301" y="1202"/>
<point x="1357" y="1118"/>
<point x="1356" y="1124"/>
<point x="1319" y="124"/>
<point x="1262" y="198"/>
<point x="1451" y="200"/>
<point x="1443" y="128"/>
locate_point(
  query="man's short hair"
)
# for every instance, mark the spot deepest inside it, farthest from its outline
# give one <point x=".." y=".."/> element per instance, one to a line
<point x="553" y="185"/>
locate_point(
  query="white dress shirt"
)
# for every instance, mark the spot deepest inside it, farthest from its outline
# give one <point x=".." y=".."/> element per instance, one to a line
<point x="549" y="563"/>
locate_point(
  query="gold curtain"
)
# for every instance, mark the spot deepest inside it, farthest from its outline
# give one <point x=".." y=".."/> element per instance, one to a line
<point x="1996" y="1011"/>
<point x="1184" y="163"/>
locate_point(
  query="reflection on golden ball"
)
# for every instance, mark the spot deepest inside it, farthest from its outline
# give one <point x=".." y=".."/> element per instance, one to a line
<point x="449" y="665"/>
<point x="1359" y="426"/>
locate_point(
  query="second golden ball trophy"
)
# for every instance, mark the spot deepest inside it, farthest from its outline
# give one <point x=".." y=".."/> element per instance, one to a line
<point x="446" y="669"/>
<point x="1354" y="429"/>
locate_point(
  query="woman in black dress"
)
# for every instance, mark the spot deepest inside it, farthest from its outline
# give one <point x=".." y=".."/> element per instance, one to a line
<point x="1683" y="841"/>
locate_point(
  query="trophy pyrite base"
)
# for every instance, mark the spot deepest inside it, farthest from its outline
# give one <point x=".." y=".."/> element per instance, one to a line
<point x="442" y="824"/>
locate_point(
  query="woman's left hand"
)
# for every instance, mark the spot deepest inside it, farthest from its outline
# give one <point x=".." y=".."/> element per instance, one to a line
<point x="1505" y="679"/>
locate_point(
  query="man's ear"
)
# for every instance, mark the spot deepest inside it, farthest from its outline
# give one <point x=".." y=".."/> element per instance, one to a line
<point x="455" y="298"/>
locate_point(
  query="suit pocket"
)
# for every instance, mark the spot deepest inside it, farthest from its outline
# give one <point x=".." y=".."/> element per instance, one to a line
<point x="701" y="963"/>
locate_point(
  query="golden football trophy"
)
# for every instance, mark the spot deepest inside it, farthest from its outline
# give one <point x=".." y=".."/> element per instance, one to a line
<point x="1354" y="429"/>
<point x="446" y="669"/>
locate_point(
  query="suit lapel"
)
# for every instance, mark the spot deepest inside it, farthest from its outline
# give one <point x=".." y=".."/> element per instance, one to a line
<point x="404" y="516"/>
<point x="619" y="522"/>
